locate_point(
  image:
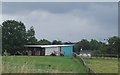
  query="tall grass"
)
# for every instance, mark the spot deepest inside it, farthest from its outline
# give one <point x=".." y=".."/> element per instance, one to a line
<point x="39" y="64"/>
<point x="0" y="64"/>
<point x="8" y="67"/>
<point x="101" y="65"/>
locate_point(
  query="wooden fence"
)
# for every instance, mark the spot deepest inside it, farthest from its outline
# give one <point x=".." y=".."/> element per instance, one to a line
<point x="105" y="55"/>
<point x="88" y="69"/>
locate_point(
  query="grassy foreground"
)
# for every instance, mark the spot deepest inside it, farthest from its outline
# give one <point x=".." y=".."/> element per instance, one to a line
<point x="0" y="64"/>
<point x="101" y="65"/>
<point x="41" y="64"/>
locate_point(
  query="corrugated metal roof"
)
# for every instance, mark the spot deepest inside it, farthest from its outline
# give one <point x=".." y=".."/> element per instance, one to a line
<point x="46" y="45"/>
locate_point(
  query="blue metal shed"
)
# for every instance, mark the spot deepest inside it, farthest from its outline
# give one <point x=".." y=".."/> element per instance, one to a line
<point x="68" y="50"/>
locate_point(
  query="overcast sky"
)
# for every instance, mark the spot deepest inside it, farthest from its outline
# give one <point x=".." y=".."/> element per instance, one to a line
<point x="66" y="21"/>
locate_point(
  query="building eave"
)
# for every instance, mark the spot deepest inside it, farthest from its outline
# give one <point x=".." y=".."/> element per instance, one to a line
<point x="44" y="46"/>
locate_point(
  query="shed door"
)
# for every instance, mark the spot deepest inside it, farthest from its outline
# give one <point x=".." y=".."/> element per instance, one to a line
<point x="68" y="50"/>
<point x="42" y="52"/>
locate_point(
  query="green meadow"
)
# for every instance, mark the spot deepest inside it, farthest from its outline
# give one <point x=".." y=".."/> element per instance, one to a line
<point x="56" y="64"/>
<point x="103" y="65"/>
<point x="41" y="64"/>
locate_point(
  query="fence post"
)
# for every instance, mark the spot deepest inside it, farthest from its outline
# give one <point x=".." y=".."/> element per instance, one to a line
<point x="88" y="69"/>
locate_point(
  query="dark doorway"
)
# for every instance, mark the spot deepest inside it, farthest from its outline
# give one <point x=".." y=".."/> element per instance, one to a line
<point x="36" y="51"/>
<point x="42" y="52"/>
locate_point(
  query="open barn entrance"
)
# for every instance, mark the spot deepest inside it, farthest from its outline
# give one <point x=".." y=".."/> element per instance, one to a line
<point x="42" y="52"/>
<point x="38" y="51"/>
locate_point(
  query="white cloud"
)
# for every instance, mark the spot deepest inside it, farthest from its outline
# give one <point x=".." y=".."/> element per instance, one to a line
<point x="63" y="26"/>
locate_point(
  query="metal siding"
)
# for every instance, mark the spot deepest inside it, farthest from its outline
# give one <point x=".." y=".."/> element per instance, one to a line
<point x="49" y="50"/>
<point x="68" y="50"/>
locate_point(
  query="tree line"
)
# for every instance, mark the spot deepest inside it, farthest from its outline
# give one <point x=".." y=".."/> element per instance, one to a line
<point x="98" y="47"/>
<point x="15" y="36"/>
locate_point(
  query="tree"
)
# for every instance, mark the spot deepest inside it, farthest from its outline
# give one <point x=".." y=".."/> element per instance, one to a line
<point x="94" y="44"/>
<point x="102" y="48"/>
<point x="13" y="35"/>
<point x="0" y="39"/>
<point x="77" y="47"/>
<point x="68" y="43"/>
<point x="31" y="39"/>
<point x="44" y="42"/>
<point x="56" y="42"/>
<point x="113" y="45"/>
<point x="84" y="44"/>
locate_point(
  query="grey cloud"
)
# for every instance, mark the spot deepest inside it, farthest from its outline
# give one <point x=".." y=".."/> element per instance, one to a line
<point x="67" y="21"/>
<point x="54" y="7"/>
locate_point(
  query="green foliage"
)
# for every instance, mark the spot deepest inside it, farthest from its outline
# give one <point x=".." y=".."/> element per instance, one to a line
<point x="13" y="35"/>
<point x="56" y="42"/>
<point x="30" y="34"/>
<point x="84" y="44"/>
<point x="113" y="45"/>
<point x="94" y="44"/>
<point x="44" y="42"/>
<point x="0" y="39"/>
<point x="99" y="47"/>
<point x="102" y="47"/>
<point x="41" y="64"/>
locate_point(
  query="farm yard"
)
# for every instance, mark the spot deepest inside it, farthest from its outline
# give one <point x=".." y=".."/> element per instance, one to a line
<point x="69" y="40"/>
<point x="0" y="64"/>
<point x="102" y="65"/>
<point x="57" y="64"/>
<point x="41" y="64"/>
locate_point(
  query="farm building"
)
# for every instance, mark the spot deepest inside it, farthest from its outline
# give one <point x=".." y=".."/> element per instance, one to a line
<point x="46" y="50"/>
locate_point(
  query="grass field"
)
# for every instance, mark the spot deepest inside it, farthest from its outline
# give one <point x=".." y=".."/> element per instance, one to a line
<point x="41" y="64"/>
<point x="0" y="64"/>
<point x="119" y="66"/>
<point x="101" y="65"/>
